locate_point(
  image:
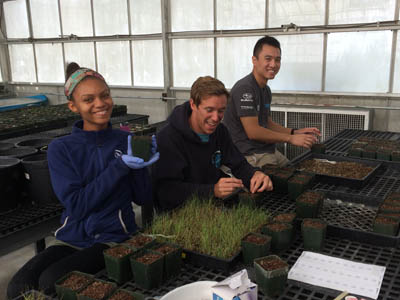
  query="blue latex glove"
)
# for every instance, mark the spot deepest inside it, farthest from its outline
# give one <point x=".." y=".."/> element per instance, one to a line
<point x="134" y="162"/>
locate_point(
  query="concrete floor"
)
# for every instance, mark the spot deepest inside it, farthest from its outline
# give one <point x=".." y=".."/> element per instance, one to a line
<point x="11" y="262"/>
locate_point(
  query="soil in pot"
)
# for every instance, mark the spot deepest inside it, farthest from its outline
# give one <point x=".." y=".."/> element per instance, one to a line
<point x="281" y="235"/>
<point x="386" y="226"/>
<point x="255" y="245"/>
<point x="313" y="232"/>
<point x="147" y="268"/>
<point x="122" y="294"/>
<point x="141" y="146"/>
<point x="140" y="241"/>
<point x="97" y="290"/>
<point x="271" y="275"/>
<point x="172" y="259"/>
<point x="309" y="204"/>
<point x="284" y="218"/>
<point x="71" y="283"/>
<point x="117" y="263"/>
<point x="345" y="169"/>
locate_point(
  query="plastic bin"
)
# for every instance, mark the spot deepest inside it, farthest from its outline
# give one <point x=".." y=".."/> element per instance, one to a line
<point x="38" y="176"/>
<point x="9" y="177"/>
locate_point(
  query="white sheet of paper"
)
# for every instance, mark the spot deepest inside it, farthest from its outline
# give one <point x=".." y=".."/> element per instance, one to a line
<point x="338" y="274"/>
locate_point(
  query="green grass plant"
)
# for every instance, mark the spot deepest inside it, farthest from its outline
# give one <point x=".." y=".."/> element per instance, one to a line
<point x="206" y="228"/>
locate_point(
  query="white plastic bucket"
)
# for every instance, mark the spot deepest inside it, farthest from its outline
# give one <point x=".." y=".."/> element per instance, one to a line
<point x="200" y="290"/>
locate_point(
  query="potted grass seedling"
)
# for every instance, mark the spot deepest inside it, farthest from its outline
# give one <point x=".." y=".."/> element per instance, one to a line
<point x="33" y="295"/>
<point x="385" y="225"/>
<point x="97" y="290"/>
<point x="271" y="274"/>
<point x="141" y="146"/>
<point x="140" y="241"/>
<point x="299" y="183"/>
<point x="124" y="294"/>
<point x="172" y="259"/>
<point x="309" y="204"/>
<point x="284" y="218"/>
<point x="147" y="268"/>
<point x="255" y="245"/>
<point x="281" y="235"/>
<point x="117" y="263"/>
<point x="70" y="284"/>
<point x="313" y="232"/>
<point x="318" y="148"/>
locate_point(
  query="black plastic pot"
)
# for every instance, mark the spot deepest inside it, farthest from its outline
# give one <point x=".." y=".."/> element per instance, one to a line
<point x="147" y="275"/>
<point x="18" y="152"/>
<point x="34" y="142"/>
<point x="38" y="176"/>
<point x="118" y="267"/>
<point x="254" y="249"/>
<point x="10" y="174"/>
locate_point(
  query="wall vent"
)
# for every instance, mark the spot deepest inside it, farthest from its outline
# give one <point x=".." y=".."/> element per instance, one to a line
<point x="329" y="120"/>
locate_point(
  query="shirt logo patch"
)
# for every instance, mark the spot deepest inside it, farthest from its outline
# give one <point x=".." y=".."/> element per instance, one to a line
<point x="246" y="107"/>
<point x="216" y="159"/>
<point x="247" y="97"/>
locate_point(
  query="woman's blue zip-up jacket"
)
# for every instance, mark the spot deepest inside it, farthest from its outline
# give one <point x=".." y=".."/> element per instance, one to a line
<point x="95" y="186"/>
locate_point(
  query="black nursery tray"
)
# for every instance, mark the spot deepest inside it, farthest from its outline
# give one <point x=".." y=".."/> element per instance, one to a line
<point x="212" y="262"/>
<point x="354" y="182"/>
<point x="352" y="217"/>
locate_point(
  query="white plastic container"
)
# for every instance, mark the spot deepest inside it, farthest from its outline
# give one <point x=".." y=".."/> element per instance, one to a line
<point x="200" y="290"/>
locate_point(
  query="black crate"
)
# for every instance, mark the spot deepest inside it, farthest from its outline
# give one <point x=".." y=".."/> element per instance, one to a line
<point x="199" y="259"/>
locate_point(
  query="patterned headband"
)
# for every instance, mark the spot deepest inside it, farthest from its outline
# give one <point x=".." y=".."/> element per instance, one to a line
<point x="77" y="77"/>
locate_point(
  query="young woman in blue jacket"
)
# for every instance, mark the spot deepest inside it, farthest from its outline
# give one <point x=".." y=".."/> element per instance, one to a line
<point x="97" y="180"/>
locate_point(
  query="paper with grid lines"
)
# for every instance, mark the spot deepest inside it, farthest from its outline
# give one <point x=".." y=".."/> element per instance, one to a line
<point x="338" y="274"/>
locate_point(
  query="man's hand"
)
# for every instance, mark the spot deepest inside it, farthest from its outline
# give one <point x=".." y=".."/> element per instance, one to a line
<point x="308" y="130"/>
<point x="302" y="140"/>
<point x="226" y="186"/>
<point x="260" y="182"/>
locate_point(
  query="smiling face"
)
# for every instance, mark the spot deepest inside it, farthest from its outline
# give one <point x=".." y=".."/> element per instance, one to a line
<point x="267" y="64"/>
<point x="92" y="100"/>
<point x="206" y="117"/>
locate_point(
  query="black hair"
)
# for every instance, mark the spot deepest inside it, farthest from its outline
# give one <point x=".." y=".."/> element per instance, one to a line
<point x="71" y="68"/>
<point x="266" y="40"/>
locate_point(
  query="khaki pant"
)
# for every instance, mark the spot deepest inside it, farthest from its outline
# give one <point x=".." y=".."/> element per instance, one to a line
<point x="261" y="159"/>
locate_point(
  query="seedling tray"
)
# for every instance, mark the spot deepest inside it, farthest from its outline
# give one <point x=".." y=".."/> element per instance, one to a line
<point x="341" y="180"/>
<point x="199" y="259"/>
<point x="352" y="217"/>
